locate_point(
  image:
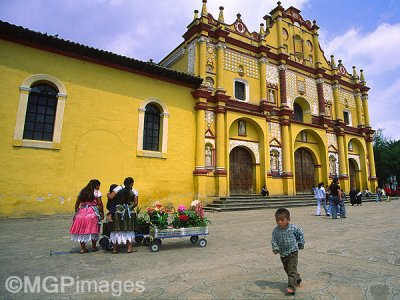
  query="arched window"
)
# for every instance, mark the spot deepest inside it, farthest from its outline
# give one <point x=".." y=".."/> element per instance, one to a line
<point x="298" y="112"/>
<point x="153" y="129"/>
<point x="151" y="133"/>
<point x="40" y="113"/>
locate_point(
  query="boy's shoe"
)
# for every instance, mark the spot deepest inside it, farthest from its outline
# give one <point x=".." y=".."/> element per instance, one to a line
<point x="289" y="291"/>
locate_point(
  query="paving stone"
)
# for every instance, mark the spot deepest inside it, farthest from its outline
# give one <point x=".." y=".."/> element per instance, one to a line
<point x="353" y="258"/>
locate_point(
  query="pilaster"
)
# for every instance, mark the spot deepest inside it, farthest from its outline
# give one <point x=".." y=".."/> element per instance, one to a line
<point x="336" y="101"/>
<point x="344" y="182"/>
<point x="321" y="100"/>
<point x="282" y="83"/>
<point x="220" y="65"/>
<point x="364" y="99"/>
<point x="357" y="97"/>
<point x="263" y="78"/>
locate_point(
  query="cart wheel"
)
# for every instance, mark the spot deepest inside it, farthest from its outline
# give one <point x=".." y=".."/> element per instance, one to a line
<point x="146" y="241"/>
<point x="103" y="242"/>
<point x="194" y="239"/>
<point x="138" y="239"/>
<point x="110" y="245"/>
<point x="202" y="242"/>
<point x="155" y="246"/>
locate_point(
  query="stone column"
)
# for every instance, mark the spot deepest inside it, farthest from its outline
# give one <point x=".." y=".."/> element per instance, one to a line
<point x="200" y="172"/>
<point x="336" y="102"/>
<point x="364" y="99"/>
<point x="263" y="78"/>
<point x="280" y="38"/>
<point x="202" y="56"/>
<point x="344" y="182"/>
<point x="200" y="128"/>
<point x="371" y="158"/>
<point x="282" y="83"/>
<point x="221" y="144"/>
<point x="315" y="35"/>
<point x="287" y="173"/>
<point x="321" y="100"/>
<point x="357" y="96"/>
<point x="220" y="65"/>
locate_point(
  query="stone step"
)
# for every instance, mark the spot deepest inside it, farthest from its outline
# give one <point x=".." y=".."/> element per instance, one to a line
<point x="251" y="196"/>
<point x="248" y="203"/>
<point x="270" y="200"/>
<point x="261" y="202"/>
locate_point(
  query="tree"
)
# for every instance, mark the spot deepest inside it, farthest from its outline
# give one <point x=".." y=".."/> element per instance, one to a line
<point x="387" y="157"/>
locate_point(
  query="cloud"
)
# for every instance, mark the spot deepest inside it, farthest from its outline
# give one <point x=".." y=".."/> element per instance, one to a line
<point x="376" y="52"/>
<point x="153" y="29"/>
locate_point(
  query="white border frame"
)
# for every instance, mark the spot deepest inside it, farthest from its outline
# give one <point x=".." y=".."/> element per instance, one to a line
<point x="246" y="84"/>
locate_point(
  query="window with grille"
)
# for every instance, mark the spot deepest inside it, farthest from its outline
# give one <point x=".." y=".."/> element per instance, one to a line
<point x="240" y="90"/>
<point x="40" y="113"/>
<point x="151" y="134"/>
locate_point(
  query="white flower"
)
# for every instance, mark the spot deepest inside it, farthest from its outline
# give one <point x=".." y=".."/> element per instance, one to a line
<point x="195" y="203"/>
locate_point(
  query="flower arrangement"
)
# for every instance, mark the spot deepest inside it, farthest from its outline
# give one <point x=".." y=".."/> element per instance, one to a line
<point x="158" y="216"/>
<point x="190" y="218"/>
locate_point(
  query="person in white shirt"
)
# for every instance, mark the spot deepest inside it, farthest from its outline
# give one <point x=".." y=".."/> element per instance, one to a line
<point x="320" y="194"/>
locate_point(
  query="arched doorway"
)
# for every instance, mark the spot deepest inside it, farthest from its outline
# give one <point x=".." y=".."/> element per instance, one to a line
<point x="305" y="171"/>
<point x="352" y="171"/>
<point x="240" y="171"/>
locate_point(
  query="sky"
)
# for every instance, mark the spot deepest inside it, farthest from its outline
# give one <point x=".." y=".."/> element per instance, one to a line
<point x="362" y="33"/>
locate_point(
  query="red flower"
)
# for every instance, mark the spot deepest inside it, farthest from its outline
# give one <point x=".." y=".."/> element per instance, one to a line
<point x="183" y="217"/>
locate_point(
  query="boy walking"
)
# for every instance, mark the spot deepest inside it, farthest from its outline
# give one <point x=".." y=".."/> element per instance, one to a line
<point x="287" y="239"/>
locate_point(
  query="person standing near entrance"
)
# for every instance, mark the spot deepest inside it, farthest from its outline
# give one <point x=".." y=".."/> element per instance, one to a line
<point x="321" y="199"/>
<point x="336" y="199"/>
<point x="378" y="194"/>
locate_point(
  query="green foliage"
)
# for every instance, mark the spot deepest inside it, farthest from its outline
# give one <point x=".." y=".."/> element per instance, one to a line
<point x="387" y="157"/>
<point x="158" y="218"/>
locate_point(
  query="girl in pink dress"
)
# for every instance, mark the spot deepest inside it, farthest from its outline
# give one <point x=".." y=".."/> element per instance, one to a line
<point x="88" y="215"/>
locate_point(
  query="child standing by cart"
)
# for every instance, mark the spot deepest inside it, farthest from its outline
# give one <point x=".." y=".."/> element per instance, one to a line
<point x="287" y="239"/>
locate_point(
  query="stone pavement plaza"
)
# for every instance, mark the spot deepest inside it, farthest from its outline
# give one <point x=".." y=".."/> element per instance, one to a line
<point x="353" y="258"/>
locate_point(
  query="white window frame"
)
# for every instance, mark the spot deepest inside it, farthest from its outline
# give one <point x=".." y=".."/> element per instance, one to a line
<point x="25" y="89"/>
<point x="350" y="119"/>
<point x="164" y="133"/>
<point x="246" y="86"/>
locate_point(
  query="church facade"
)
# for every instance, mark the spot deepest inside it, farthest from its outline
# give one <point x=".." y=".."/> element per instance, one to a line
<point x="227" y="111"/>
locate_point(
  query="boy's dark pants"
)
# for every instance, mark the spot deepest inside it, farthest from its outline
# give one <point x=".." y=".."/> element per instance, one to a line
<point x="290" y="266"/>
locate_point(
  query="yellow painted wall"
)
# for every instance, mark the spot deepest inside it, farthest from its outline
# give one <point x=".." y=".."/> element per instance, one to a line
<point x="99" y="136"/>
<point x="181" y="64"/>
